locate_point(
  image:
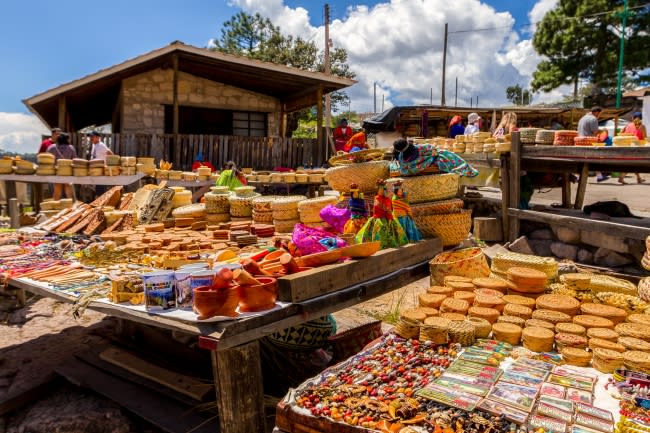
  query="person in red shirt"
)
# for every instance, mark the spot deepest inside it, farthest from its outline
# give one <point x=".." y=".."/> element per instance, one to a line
<point x="637" y="129"/>
<point x="342" y="134"/>
<point x="199" y="162"/>
<point x="45" y="144"/>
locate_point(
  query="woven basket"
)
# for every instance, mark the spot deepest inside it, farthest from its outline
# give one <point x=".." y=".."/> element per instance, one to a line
<point x="196" y="210"/>
<point x="538" y="339"/>
<point x="43" y="158"/>
<point x="606" y="361"/>
<point x="461" y="332"/>
<point x="584" y="141"/>
<point x="632" y="343"/>
<point x="518" y="311"/>
<point x="570" y="340"/>
<point x="241" y="206"/>
<point x="262" y="217"/>
<point x="564" y="304"/>
<point x="264" y="178"/>
<point x="530" y="323"/>
<point x="406" y="328"/>
<point x="564" y="138"/>
<point x="246" y="192"/>
<point x="302" y="177"/>
<point x="551" y="316"/>
<point x="80" y="172"/>
<point x="264" y="203"/>
<point x="422" y="189"/>
<point x="435" y="329"/>
<point x="437" y="206"/>
<point x="214" y="218"/>
<point x="643" y="319"/>
<point x="512" y="319"/>
<point x="637" y="360"/>
<point x="614" y="314"/>
<point x="464" y="295"/>
<point x="468" y="262"/>
<point x="453" y="305"/>
<point x="482" y="327"/>
<point x="605" y="283"/>
<point x="430" y="300"/>
<point x="636" y="330"/>
<point x="316" y="204"/>
<point x="352" y="341"/>
<point x="277" y="177"/>
<point x="528" y="135"/>
<point x="64" y="171"/>
<point x="644" y="289"/>
<point x="544" y="137"/>
<point x="592" y="321"/>
<point x="284" y="226"/>
<point x="363" y="174"/>
<point x="606" y="344"/>
<point x="603" y="334"/>
<point x="506" y="332"/>
<point x="502" y="262"/>
<point x="576" y="356"/>
<point x="217" y="203"/>
<point x="489" y="314"/>
<point x="452" y="227"/>
<point x="570" y="328"/>
<point x="181" y="198"/>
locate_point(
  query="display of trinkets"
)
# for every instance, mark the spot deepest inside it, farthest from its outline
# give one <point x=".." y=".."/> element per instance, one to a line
<point x="497" y="408"/>
<point x="521" y="397"/>
<point x="552" y="390"/>
<point x="579" y="395"/>
<point x="594" y="422"/>
<point x="546" y="424"/>
<point x="572" y="382"/>
<point x="551" y="411"/>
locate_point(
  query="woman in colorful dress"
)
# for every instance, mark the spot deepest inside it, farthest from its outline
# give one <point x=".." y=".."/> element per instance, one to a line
<point x="358" y="212"/>
<point x="382" y="226"/>
<point x="402" y="211"/>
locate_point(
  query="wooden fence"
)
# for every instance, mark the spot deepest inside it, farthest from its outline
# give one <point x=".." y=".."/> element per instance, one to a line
<point x="260" y="153"/>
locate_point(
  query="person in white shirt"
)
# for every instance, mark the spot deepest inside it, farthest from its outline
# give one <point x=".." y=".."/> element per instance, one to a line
<point x="99" y="150"/>
<point x="472" y="124"/>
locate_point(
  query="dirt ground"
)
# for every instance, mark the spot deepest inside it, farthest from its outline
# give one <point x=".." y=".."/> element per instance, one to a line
<point x="36" y="338"/>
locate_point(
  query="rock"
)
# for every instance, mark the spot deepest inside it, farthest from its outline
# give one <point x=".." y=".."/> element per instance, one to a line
<point x="545" y="234"/>
<point x="71" y="410"/>
<point x="520" y="245"/>
<point x="541" y="247"/>
<point x="611" y="259"/>
<point x="567" y="235"/>
<point x="564" y="251"/>
<point x="603" y="240"/>
<point x="585" y="257"/>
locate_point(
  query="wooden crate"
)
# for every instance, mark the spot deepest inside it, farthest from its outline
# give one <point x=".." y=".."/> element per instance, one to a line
<point x="330" y="278"/>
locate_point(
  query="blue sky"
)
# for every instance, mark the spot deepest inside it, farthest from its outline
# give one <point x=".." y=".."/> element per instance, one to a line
<point x="48" y="43"/>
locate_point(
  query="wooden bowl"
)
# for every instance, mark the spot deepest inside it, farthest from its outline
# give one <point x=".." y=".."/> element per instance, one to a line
<point x="365" y="249"/>
<point x="319" y="259"/>
<point x="209" y="303"/>
<point x="258" y="297"/>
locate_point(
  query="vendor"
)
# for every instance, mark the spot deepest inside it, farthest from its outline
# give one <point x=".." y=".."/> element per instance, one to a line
<point x="342" y="134"/>
<point x="231" y="177"/>
<point x="62" y="150"/>
<point x="201" y="162"/>
<point x="356" y="142"/>
<point x="456" y="126"/>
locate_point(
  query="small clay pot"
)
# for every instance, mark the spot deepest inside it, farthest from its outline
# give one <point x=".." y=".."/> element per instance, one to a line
<point x="209" y="302"/>
<point x="273" y="256"/>
<point x="258" y="297"/>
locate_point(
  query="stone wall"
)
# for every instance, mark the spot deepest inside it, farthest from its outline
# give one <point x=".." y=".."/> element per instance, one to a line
<point x="144" y="97"/>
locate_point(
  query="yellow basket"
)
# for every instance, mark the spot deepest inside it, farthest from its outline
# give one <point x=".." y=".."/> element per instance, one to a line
<point x="452" y="227"/>
<point x="364" y="174"/>
<point x="422" y="189"/>
<point x="468" y="262"/>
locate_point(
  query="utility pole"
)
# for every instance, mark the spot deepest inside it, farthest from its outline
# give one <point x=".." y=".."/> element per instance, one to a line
<point x="444" y="66"/>
<point x="328" y="102"/>
<point x="619" y="80"/>
<point x="456" y="97"/>
<point x="374" y="98"/>
<point x="476" y="101"/>
<point x="431" y="103"/>
<point x="382" y="102"/>
<point x="471" y="98"/>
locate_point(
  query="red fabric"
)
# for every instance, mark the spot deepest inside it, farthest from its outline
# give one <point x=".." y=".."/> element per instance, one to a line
<point x="242" y="178"/>
<point x="383" y="207"/>
<point x="631" y="128"/>
<point x="341" y="136"/>
<point x="357" y="140"/>
<point x="198" y="164"/>
<point x="44" y="145"/>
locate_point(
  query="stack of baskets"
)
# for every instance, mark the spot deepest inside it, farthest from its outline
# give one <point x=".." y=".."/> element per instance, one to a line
<point x="241" y="203"/>
<point x="45" y="163"/>
<point x="189" y="176"/>
<point x="79" y="167"/>
<point x="146" y="165"/>
<point x="64" y="167"/>
<point x="435" y="213"/>
<point x="309" y="210"/>
<point x="502" y="262"/>
<point x="584" y="141"/>
<point x="203" y="173"/>
<point x="460" y="145"/>
<point x="6" y="165"/>
<point x="302" y="176"/>
<point x="565" y="138"/>
<point x="544" y="137"/>
<point x="285" y="213"/>
<point x="490" y="145"/>
<point x="263" y="208"/>
<point x="96" y="167"/>
<point x="113" y="165"/>
<point x="128" y="164"/>
<point x="528" y="136"/>
<point x="24" y="167"/>
<point x="217" y="205"/>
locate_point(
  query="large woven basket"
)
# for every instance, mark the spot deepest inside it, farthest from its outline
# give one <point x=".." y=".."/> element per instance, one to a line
<point x="451" y="227"/>
<point x="364" y="174"/>
<point x="544" y="137"/>
<point x="217" y="203"/>
<point x="421" y="189"/>
<point x="644" y="289"/>
<point x="468" y="262"/>
<point x="502" y="262"/>
<point x="286" y="208"/>
<point x="565" y="138"/>
<point x="241" y="206"/>
<point x="528" y="135"/>
<point x="264" y="203"/>
<point x="437" y="206"/>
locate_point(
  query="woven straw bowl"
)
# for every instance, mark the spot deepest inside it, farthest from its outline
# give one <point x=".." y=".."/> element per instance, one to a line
<point x="468" y="262"/>
<point x="436" y="206"/>
<point x="364" y="174"/>
<point x="421" y="189"/>
<point x="452" y="228"/>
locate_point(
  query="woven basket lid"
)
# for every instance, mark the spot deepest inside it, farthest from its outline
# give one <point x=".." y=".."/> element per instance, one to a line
<point x="316" y="203"/>
<point x="414" y="315"/>
<point x="519" y="300"/>
<point x="467" y="296"/>
<point x="637" y="358"/>
<point x="643" y="319"/>
<point x="440" y="322"/>
<point x="459" y="285"/>
<point x="551" y="316"/>
<point x="486" y="300"/>
<point x="483" y="312"/>
<point x="634" y="343"/>
<point x="495" y="284"/>
<point x="574" y="354"/>
<point x="635" y="330"/>
<point x="607" y="355"/>
<point x="571" y="340"/>
<point x="602" y="310"/>
<point x="457" y="279"/>
<point x="431" y="300"/>
<point x="517" y="310"/>
<point x="605" y="344"/>
<point x="602" y="333"/>
<point x="570" y="328"/>
<point x="453" y="316"/>
<point x="537" y="333"/>
<point x="454" y="305"/>
<point x="442" y="290"/>
<point x="508" y="329"/>
<point x="538" y="323"/>
<point x="589" y="321"/>
<point x="512" y="319"/>
<point x="430" y="312"/>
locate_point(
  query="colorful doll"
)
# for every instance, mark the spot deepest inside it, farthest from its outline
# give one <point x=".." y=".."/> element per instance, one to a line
<point x="402" y="211"/>
<point x="382" y="226"/>
<point x="358" y="213"/>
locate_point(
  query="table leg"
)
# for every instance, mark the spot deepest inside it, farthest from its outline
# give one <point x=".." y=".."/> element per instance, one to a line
<point x="10" y="190"/>
<point x="238" y="382"/>
<point x="582" y="186"/>
<point x="311" y="193"/>
<point x="566" y="190"/>
<point x="37" y="196"/>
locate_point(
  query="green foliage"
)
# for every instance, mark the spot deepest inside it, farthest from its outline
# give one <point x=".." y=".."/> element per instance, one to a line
<point x="519" y="96"/>
<point x="257" y="37"/>
<point x="587" y="48"/>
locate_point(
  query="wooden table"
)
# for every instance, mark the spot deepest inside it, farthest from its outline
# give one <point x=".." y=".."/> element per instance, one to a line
<point x="199" y="187"/>
<point x="564" y="160"/>
<point x="38" y="181"/>
<point x="311" y="186"/>
<point x="234" y="344"/>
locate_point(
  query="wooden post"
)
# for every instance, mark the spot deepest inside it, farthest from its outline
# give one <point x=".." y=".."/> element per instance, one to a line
<point x="505" y="192"/>
<point x="238" y="382"/>
<point x="62" y="114"/>
<point x="515" y="187"/>
<point x="175" y="105"/>
<point x="566" y="190"/>
<point x="319" y="124"/>
<point x="582" y="186"/>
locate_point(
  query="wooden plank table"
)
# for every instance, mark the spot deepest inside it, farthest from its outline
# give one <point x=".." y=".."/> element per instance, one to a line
<point x="234" y="345"/>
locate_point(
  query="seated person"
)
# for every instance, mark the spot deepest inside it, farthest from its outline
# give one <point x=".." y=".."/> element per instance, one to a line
<point x="413" y="159"/>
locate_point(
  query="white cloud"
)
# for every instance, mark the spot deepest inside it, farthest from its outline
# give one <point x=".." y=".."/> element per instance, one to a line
<point x="539" y="10"/>
<point x="20" y="132"/>
<point x="398" y="44"/>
